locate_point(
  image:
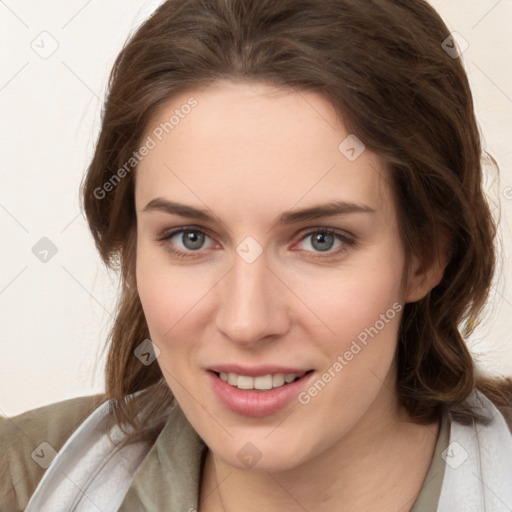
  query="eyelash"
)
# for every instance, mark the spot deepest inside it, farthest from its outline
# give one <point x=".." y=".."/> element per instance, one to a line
<point x="345" y="239"/>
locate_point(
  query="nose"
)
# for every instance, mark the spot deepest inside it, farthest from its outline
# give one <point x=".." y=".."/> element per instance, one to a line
<point x="252" y="303"/>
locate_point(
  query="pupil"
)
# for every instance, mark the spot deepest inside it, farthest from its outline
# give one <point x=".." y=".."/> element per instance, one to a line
<point x="323" y="238"/>
<point x="192" y="240"/>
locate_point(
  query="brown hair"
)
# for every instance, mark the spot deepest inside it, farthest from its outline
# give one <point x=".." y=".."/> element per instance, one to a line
<point x="382" y="65"/>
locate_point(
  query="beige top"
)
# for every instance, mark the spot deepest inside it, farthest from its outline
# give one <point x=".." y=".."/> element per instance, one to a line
<point x="431" y="489"/>
<point x="169" y="474"/>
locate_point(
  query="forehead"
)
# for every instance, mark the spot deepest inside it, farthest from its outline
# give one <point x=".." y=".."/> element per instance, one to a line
<point x="256" y="145"/>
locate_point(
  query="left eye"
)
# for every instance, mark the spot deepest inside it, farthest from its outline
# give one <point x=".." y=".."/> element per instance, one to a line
<point x="323" y="240"/>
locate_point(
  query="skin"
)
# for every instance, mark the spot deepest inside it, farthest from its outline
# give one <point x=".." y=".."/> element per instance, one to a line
<point x="247" y="153"/>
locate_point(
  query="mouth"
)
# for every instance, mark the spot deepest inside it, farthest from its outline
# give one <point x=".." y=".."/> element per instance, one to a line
<point x="262" y="394"/>
<point x="261" y="382"/>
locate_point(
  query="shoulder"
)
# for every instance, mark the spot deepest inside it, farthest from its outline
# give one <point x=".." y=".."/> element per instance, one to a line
<point x="479" y="450"/>
<point x="498" y="390"/>
<point x="29" y="441"/>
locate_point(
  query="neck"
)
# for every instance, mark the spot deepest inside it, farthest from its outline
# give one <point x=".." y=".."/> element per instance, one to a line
<point x="377" y="465"/>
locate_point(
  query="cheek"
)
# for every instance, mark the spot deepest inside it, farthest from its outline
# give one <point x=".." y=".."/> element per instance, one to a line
<point x="363" y="310"/>
<point x="173" y="300"/>
<point x="159" y="294"/>
<point x="164" y="305"/>
<point x="352" y="299"/>
<point x="153" y="296"/>
<point x="368" y="303"/>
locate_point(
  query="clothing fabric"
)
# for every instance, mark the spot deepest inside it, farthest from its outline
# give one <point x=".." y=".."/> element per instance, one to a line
<point x="90" y="473"/>
<point x="428" y="497"/>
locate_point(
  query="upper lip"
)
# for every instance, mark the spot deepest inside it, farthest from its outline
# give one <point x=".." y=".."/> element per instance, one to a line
<point x="256" y="371"/>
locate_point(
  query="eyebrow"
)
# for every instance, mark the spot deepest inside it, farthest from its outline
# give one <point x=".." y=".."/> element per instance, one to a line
<point x="329" y="209"/>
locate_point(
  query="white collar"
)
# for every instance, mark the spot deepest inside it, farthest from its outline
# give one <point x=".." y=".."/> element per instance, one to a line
<point x="89" y="474"/>
<point x="478" y="472"/>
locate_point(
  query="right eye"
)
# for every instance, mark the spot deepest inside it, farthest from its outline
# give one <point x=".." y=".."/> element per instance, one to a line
<point x="184" y="242"/>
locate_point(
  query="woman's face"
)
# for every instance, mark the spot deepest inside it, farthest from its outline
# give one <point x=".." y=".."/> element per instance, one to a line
<point x="268" y="249"/>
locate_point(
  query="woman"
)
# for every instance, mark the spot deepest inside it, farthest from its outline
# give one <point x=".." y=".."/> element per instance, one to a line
<point x="292" y="193"/>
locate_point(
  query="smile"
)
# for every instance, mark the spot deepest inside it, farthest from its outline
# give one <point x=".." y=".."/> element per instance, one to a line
<point x="258" y="395"/>
<point x="261" y="383"/>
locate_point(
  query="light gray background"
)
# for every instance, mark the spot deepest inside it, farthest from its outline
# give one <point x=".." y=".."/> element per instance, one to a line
<point x="55" y="315"/>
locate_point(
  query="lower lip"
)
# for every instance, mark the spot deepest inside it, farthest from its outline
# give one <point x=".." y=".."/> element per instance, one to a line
<point x="253" y="402"/>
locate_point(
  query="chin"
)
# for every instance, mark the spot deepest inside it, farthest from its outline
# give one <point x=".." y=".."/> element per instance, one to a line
<point x="253" y="453"/>
<point x="270" y="463"/>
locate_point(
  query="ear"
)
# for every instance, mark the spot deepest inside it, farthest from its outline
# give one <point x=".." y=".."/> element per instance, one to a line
<point x="423" y="278"/>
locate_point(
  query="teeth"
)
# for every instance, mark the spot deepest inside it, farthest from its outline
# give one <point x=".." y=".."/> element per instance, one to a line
<point x="245" y="382"/>
<point x="277" y="380"/>
<point x="262" y="382"/>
